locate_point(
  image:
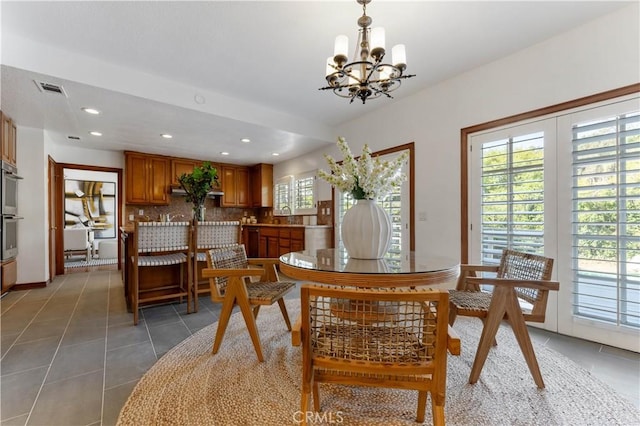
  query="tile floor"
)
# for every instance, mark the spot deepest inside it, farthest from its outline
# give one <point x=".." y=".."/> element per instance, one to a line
<point x="71" y="355"/>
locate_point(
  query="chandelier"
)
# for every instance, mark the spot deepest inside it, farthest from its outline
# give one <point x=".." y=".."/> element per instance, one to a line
<point x="366" y="76"/>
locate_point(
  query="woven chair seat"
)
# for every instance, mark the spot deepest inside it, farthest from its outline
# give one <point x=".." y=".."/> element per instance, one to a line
<point x="370" y="343"/>
<point x="268" y="292"/>
<point x="470" y="300"/>
<point x="162" y="260"/>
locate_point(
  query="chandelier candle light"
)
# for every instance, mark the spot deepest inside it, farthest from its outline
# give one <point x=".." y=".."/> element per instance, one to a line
<point x="366" y="76"/>
<point x="366" y="227"/>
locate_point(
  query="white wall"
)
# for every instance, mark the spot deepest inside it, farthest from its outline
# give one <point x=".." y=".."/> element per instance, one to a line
<point x="32" y="206"/>
<point x="34" y="147"/>
<point x="599" y="56"/>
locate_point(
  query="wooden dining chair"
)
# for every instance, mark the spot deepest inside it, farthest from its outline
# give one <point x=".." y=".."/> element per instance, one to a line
<point x="160" y="245"/>
<point x="520" y="290"/>
<point x="208" y="235"/>
<point x="392" y="338"/>
<point x="228" y="271"/>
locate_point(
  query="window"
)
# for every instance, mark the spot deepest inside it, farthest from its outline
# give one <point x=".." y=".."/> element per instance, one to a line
<point x="282" y="195"/>
<point x="512" y="199"/>
<point x="606" y="219"/>
<point x="295" y="194"/>
<point x="304" y="194"/>
<point x="566" y="186"/>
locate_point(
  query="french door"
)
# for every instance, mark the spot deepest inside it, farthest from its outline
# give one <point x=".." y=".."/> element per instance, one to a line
<point x="567" y="187"/>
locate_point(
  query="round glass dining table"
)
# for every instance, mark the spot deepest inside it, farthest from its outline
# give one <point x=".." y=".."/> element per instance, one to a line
<point x="334" y="266"/>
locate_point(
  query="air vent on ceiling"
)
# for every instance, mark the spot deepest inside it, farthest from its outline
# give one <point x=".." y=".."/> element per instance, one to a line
<point x="50" y="87"/>
<point x="75" y="138"/>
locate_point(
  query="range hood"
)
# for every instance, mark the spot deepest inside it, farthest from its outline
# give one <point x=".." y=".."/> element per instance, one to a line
<point x="177" y="190"/>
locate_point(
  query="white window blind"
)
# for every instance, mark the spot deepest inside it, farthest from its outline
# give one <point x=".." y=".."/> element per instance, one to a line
<point x="606" y="219"/>
<point x="282" y="195"/>
<point x="304" y="194"/>
<point x="512" y="196"/>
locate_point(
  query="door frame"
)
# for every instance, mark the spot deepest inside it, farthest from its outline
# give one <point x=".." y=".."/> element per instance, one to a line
<point x="59" y="206"/>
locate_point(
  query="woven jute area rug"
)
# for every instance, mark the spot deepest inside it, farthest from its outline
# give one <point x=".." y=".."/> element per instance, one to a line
<point x="190" y="386"/>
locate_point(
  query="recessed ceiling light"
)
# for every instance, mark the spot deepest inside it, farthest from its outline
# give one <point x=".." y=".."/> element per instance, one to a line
<point x="275" y="154"/>
<point x="166" y="135"/>
<point x="95" y="133"/>
<point x="224" y="153"/>
<point x="245" y="140"/>
<point x="91" y="110"/>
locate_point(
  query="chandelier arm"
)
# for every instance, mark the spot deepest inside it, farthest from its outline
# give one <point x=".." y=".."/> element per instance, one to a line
<point x="358" y="77"/>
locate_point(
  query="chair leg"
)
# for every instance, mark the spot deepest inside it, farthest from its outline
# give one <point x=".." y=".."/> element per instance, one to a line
<point x="422" y="405"/>
<point x="316" y="397"/>
<point x="250" y="320"/>
<point x="519" y="328"/>
<point x="285" y="315"/>
<point x="484" y="320"/>
<point x="304" y="407"/>
<point x="496" y="313"/>
<point x="134" y="302"/>
<point x="438" y="413"/>
<point x="453" y="313"/>
<point x="223" y="321"/>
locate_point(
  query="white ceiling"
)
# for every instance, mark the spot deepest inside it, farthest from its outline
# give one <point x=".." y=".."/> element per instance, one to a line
<point x="212" y="72"/>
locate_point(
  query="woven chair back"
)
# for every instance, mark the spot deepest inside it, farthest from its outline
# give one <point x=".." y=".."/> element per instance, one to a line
<point x="525" y="266"/>
<point x="217" y="234"/>
<point x="155" y="237"/>
<point x="231" y="257"/>
<point x="379" y="327"/>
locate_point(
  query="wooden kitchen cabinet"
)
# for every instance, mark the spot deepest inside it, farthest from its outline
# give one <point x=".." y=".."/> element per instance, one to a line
<point x="269" y="242"/>
<point x="8" y="134"/>
<point x="180" y="166"/>
<point x="146" y="179"/>
<point x="235" y="185"/>
<point x="262" y="185"/>
<point x="9" y="274"/>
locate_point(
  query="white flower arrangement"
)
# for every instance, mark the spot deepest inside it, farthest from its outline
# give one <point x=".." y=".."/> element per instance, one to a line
<point x="366" y="178"/>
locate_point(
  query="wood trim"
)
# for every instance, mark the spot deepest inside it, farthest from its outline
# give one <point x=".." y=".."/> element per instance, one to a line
<point x="464" y="146"/>
<point x="60" y="206"/>
<point x="29" y="286"/>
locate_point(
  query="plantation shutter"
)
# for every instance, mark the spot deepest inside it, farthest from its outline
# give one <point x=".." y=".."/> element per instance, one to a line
<point x="606" y="219"/>
<point x="512" y="196"/>
<point x="282" y="195"/>
<point x="304" y="194"/>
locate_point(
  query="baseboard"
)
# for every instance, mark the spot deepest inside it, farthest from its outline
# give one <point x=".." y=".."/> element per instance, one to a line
<point x="29" y="286"/>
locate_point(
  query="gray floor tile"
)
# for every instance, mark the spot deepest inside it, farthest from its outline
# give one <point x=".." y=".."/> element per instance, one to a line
<point x="126" y="334"/>
<point x="30" y="355"/>
<point x="42" y="330"/>
<point x="80" y="332"/>
<point x="114" y="400"/>
<point x="166" y="336"/>
<point x="76" y="401"/>
<point x="16" y="421"/>
<point x="55" y="311"/>
<point x="78" y="359"/>
<point x="159" y="315"/>
<point x="128" y="363"/>
<point x="6" y="340"/>
<point x="19" y="391"/>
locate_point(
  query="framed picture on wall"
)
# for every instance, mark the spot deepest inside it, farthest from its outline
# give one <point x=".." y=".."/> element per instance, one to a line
<point x="91" y="204"/>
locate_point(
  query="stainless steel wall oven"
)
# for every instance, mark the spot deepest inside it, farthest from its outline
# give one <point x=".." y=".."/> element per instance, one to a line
<point x="9" y="210"/>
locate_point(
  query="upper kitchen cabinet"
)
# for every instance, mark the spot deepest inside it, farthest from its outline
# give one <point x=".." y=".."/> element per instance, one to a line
<point x="262" y="185"/>
<point x="8" y="134"/>
<point x="235" y="185"/>
<point x="146" y="178"/>
<point x="180" y="166"/>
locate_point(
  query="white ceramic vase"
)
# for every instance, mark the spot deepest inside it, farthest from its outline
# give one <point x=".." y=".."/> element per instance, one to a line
<point x="366" y="230"/>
